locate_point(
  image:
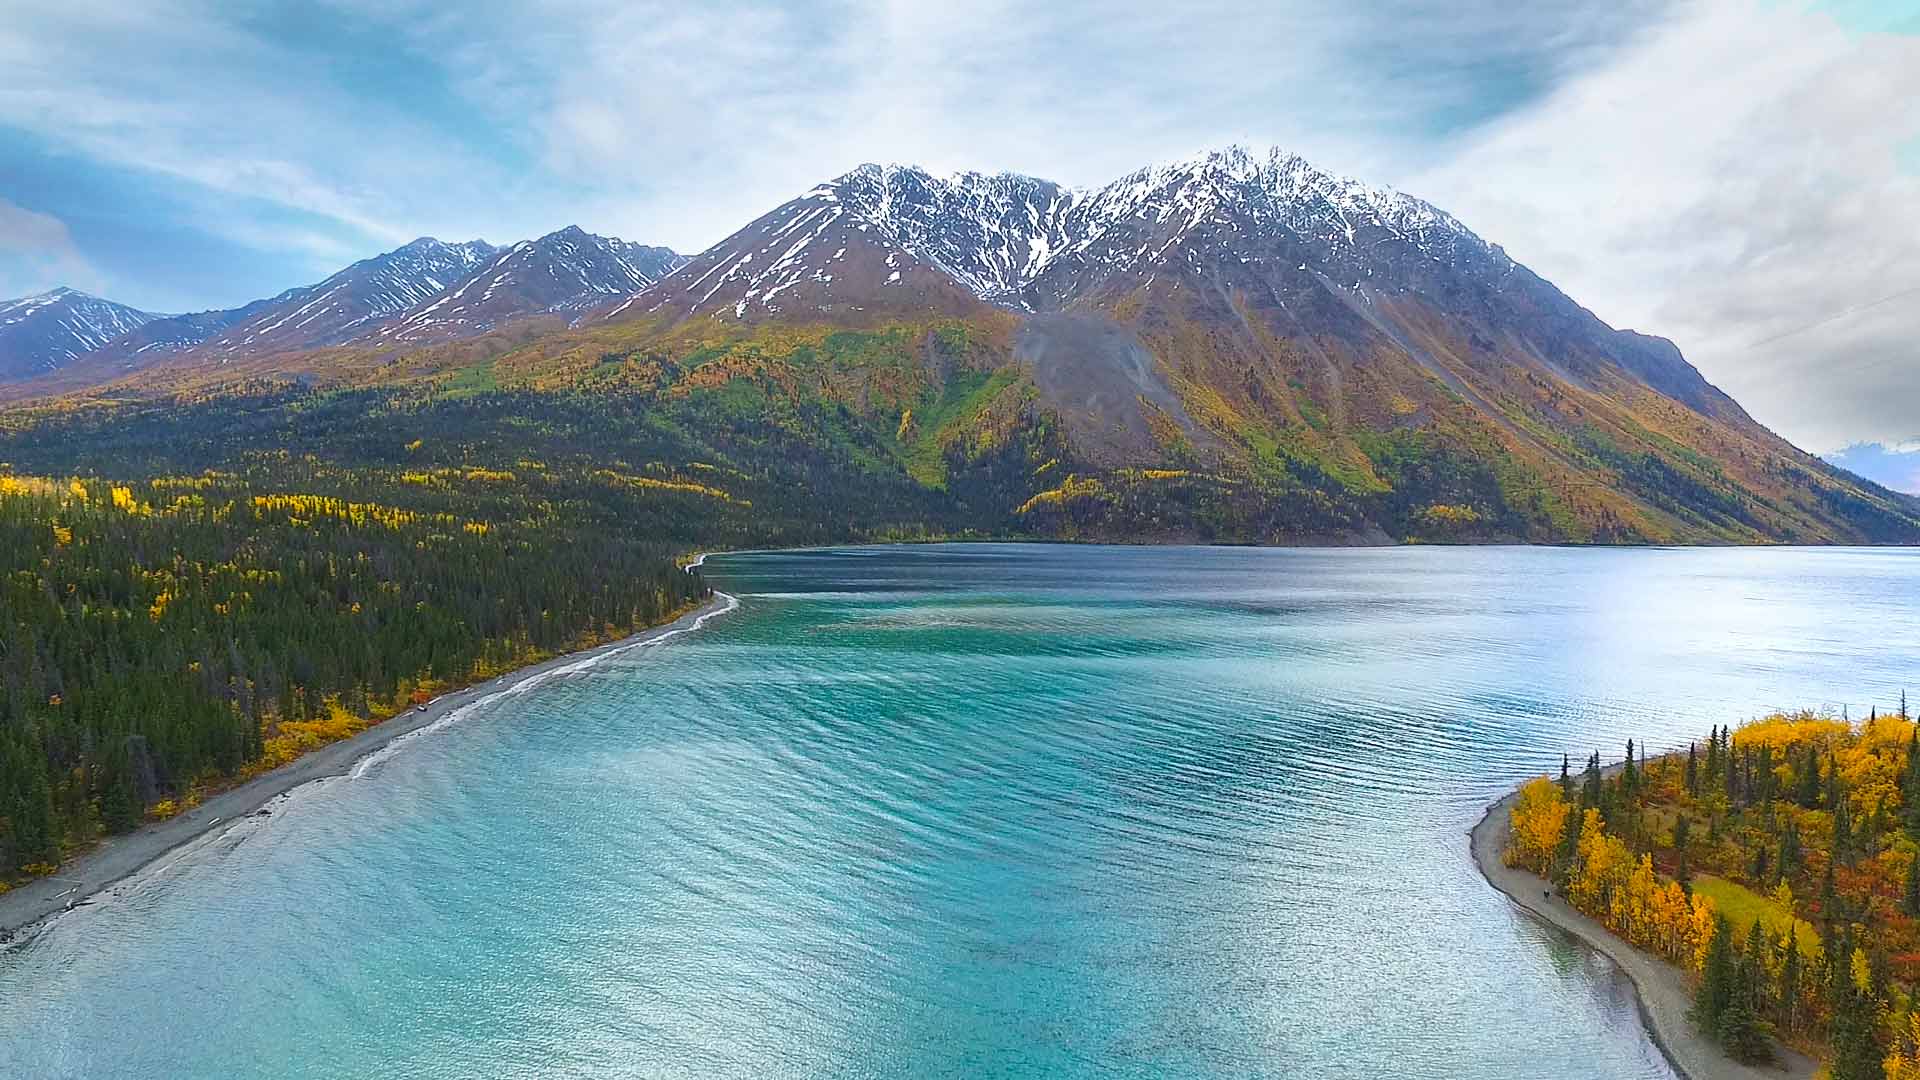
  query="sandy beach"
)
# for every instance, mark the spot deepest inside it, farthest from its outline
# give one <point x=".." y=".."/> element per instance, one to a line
<point x="1664" y="994"/>
<point x="121" y="856"/>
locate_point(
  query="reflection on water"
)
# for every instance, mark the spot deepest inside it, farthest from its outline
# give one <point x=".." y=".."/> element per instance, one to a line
<point x="975" y="811"/>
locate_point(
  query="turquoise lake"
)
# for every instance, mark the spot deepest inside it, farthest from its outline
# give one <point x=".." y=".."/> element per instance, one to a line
<point x="975" y="811"/>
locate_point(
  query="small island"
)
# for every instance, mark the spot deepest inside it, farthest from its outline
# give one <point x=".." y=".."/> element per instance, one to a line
<point x="1762" y="888"/>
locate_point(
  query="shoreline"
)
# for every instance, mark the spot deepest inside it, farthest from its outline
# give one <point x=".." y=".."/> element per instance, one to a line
<point x="118" y="858"/>
<point x="1660" y="990"/>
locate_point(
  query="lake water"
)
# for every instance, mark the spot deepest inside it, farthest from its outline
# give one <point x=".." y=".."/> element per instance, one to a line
<point x="975" y="811"/>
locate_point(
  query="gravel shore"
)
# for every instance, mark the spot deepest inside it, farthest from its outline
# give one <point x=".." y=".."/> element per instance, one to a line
<point x="121" y="856"/>
<point x="1664" y="994"/>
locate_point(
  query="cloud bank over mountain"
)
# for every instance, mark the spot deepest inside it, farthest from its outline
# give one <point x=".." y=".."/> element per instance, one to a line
<point x="1718" y="171"/>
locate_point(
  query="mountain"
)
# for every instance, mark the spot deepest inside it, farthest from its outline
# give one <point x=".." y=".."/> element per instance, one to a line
<point x="425" y="291"/>
<point x="41" y="333"/>
<point x="1303" y="340"/>
<point x="352" y="301"/>
<point x="563" y="271"/>
<point x="1267" y="227"/>
<point x="1235" y="347"/>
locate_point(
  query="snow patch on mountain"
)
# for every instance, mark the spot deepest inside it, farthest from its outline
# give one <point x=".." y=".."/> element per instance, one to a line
<point x="340" y="307"/>
<point x="564" y="271"/>
<point x="45" y="331"/>
<point x="1020" y="242"/>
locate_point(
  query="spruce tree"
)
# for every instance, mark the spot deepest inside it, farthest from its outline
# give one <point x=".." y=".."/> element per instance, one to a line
<point x="1682" y="835"/>
<point x="1739" y="1026"/>
<point x="1843" y="833"/>
<point x="1790" y="978"/>
<point x="1693" y="771"/>
<point x="1718" y="978"/>
<point x="1753" y="970"/>
<point x="1910" y="776"/>
<point x="1569" y="846"/>
<point x="1828" y="898"/>
<point x="1787" y="862"/>
<point x="1808" y="793"/>
<point x="1854" y="1031"/>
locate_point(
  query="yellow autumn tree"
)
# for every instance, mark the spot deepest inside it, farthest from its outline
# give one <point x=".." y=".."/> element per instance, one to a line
<point x="1601" y="865"/>
<point x="1538" y="818"/>
<point x="1903" y="1057"/>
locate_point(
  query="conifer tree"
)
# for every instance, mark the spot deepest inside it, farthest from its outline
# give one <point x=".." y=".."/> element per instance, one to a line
<point x="1910" y="775"/>
<point x="1855" y="1030"/>
<point x="1719" y="976"/>
<point x="1808" y="780"/>
<point x="1828" y="899"/>
<point x="1790" y="978"/>
<point x="1787" y="861"/>
<point x="1843" y="844"/>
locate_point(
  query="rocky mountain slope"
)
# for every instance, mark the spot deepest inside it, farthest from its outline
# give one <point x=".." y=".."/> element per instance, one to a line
<point x="427" y="290"/>
<point x="40" y="333"/>
<point x="561" y="272"/>
<point x="353" y="300"/>
<point x="1235" y="347"/>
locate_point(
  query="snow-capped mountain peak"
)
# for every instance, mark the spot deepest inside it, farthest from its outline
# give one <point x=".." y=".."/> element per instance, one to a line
<point x="1024" y="243"/>
<point x="345" y="304"/>
<point x="46" y="331"/>
<point x="562" y="272"/>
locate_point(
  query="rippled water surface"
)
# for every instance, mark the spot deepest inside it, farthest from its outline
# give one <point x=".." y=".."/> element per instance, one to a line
<point x="967" y="811"/>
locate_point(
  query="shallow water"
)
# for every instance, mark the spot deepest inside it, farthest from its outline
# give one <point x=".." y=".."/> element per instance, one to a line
<point x="975" y="811"/>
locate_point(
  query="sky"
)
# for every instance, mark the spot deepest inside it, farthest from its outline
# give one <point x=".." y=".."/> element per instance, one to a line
<point x="1742" y="176"/>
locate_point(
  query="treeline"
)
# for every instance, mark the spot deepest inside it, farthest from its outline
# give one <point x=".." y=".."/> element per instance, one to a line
<point x="156" y="635"/>
<point x="1777" y="864"/>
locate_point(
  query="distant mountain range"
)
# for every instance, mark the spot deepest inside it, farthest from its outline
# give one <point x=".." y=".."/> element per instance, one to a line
<point x="1237" y="346"/>
<point x="40" y="333"/>
<point x="425" y="290"/>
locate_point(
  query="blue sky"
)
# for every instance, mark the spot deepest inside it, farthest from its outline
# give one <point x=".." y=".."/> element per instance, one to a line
<point x="1671" y="163"/>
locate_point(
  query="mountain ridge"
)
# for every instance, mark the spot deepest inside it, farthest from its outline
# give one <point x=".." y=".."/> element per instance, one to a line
<point x="390" y="296"/>
<point x="39" y="332"/>
<point x="1237" y="346"/>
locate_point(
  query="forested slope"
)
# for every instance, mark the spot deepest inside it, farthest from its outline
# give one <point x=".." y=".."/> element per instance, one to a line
<point x="167" y="632"/>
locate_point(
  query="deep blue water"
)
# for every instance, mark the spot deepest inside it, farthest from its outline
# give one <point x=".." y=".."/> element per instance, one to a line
<point x="975" y="811"/>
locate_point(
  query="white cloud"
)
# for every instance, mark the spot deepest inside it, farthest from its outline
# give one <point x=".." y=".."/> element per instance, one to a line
<point x="1731" y="183"/>
<point x="677" y="124"/>
<point x="194" y="92"/>
<point x="37" y="253"/>
<point x="1719" y="171"/>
